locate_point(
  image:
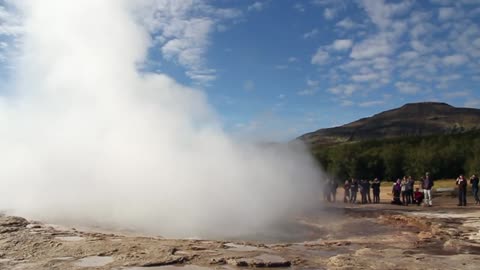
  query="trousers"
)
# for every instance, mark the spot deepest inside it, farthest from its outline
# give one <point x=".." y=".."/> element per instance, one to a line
<point x="462" y="197"/>
<point x="427" y="196"/>
<point x="475" y="194"/>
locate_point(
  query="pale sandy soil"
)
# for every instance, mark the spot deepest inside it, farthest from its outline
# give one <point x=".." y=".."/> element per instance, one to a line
<point x="337" y="237"/>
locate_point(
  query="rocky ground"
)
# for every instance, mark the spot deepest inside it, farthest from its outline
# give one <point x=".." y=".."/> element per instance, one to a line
<point x="341" y="237"/>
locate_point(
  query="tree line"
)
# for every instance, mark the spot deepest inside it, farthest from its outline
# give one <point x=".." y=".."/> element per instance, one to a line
<point x="444" y="156"/>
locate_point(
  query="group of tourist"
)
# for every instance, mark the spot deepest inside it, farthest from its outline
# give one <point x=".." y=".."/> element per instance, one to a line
<point x="330" y="191"/>
<point x="353" y="187"/>
<point x="404" y="194"/>
<point x="403" y="190"/>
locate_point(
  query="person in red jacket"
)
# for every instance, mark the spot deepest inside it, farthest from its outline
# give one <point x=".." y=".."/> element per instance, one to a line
<point x="418" y="196"/>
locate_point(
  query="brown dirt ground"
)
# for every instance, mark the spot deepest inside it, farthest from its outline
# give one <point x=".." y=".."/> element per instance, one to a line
<point x="337" y="236"/>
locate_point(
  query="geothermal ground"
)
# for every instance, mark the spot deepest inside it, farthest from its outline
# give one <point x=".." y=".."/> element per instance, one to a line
<point x="337" y="237"/>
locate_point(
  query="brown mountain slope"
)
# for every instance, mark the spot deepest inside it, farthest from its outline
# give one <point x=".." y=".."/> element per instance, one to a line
<point x="414" y="119"/>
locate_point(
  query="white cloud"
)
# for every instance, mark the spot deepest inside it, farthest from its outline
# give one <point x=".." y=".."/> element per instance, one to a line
<point x="257" y="6"/>
<point x="371" y="103"/>
<point x="310" y="34"/>
<point x="469" y="2"/>
<point x="442" y="2"/>
<point x="292" y="59"/>
<point x="382" y="13"/>
<point x="320" y="57"/>
<point x="324" y="2"/>
<point x="416" y="16"/>
<point x="189" y="48"/>
<point x="419" y="46"/>
<point x="284" y="66"/>
<point x="381" y="63"/>
<point x="329" y="13"/>
<point x="11" y="30"/>
<point x="312" y="83"/>
<point x="476" y="43"/>
<point x="372" y="47"/>
<point x="451" y="77"/>
<point x="183" y="32"/>
<point x="311" y="89"/>
<point x="343" y="89"/>
<point x="10" y="23"/>
<point x="455" y="60"/>
<point x="202" y="76"/>
<point x="374" y="52"/>
<point x="446" y="13"/>
<point x="408" y="41"/>
<point x="346" y="23"/>
<point x="342" y="44"/>
<point x="407" y="88"/>
<point x="409" y="55"/>
<point x="307" y="92"/>
<point x="365" y="77"/>
<point x="299" y="7"/>
<point x="421" y="29"/>
<point x="457" y="94"/>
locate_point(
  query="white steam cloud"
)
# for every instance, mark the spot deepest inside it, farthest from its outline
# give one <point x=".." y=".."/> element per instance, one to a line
<point x="86" y="138"/>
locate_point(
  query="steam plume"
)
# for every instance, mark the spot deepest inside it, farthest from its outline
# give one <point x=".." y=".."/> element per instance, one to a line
<point x="88" y="139"/>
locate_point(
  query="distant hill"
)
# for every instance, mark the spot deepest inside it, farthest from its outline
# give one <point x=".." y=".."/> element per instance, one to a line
<point x="413" y="119"/>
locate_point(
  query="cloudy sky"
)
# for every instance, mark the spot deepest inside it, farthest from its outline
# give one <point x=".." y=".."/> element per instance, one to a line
<point x="278" y="69"/>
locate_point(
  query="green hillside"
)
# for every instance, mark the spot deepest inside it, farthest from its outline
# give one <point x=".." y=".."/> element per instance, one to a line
<point x="445" y="156"/>
<point x="410" y="140"/>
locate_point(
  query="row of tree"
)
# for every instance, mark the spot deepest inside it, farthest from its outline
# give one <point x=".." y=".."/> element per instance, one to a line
<point x="444" y="156"/>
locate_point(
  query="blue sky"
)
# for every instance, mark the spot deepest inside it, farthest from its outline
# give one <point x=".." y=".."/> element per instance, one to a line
<point x="278" y="69"/>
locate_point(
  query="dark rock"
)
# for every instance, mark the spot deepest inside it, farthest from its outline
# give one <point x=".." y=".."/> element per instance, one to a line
<point x="167" y="261"/>
<point x="218" y="261"/>
<point x="13" y="222"/>
<point x="34" y="226"/>
<point x="265" y="260"/>
<point x="237" y="262"/>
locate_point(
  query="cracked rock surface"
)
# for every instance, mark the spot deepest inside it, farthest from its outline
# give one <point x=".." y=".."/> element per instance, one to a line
<point x="351" y="237"/>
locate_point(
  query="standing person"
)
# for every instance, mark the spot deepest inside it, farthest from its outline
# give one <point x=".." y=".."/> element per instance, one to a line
<point x="326" y="191"/>
<point x="403" y="189"/>
<point x="474" y="183"/>
<point x="411" y="186"/>
<point x="462" y="191"/>
<point x="376" y="190"/>
<point x="346" y="191"/>
<point x="363" y="191"/>
<point x="333" y="190"/>
<point x="353" y="191"/>
<point x="427" y="185"/>
<point x="367" y="187"/>
<point x="396" y="189"/>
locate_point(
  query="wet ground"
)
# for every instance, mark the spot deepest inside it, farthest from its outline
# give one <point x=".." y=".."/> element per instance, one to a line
<point x="336" y="237"/>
